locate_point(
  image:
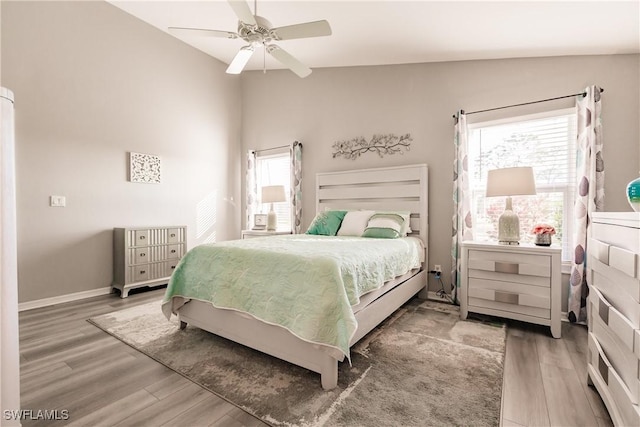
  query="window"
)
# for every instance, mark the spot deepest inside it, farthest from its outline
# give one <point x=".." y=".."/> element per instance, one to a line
<point x="275" y="169"/>
<point x="547" y="142"/>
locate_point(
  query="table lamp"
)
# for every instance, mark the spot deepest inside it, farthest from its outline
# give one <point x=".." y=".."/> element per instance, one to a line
<point x="273" y="194"/>
<point x="509" y="182"/>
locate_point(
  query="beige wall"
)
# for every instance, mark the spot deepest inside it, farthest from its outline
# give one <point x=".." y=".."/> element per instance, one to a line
<point x="91" y="84"/>
<point x="342" y="103"/>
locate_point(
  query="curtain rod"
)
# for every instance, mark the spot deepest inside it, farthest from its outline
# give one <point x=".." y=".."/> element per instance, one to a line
<point x="272" y="148"/>
<point x="527" y="103"/>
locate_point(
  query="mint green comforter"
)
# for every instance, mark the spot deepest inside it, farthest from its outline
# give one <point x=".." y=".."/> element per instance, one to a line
<point x="304" y="283"/>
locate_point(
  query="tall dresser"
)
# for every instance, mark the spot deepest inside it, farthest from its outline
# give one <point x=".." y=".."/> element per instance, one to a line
<point x="146" y="256"/>
<point x="614" y="313"/>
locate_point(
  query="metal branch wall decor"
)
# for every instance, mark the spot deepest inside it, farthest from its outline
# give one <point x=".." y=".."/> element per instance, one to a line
<point x="380" y="144"/>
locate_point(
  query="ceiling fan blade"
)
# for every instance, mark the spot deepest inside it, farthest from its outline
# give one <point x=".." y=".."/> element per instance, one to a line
<point x="242" y="11"/>
<point x="289" y="61"/>
<point x="299" y="31"/>
<point x="240" y="60"/>
<point x="188" y="32"/>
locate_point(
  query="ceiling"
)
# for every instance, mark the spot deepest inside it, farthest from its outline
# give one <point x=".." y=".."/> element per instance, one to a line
<point x="403" y="32"/>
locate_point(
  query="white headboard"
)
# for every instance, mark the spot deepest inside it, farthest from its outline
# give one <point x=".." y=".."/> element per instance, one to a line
<point x="401" y="188"/>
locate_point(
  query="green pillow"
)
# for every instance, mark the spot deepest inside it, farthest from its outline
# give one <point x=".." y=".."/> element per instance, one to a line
<point x="384" y="226"/>
<point x="326" y="223"/>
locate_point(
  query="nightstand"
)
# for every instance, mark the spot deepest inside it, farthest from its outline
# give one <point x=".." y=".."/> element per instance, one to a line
<point x="250" y="234"/>
<point x="515" y="282"/>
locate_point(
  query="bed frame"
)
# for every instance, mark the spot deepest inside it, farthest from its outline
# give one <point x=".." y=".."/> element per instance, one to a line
<point x="402" y="188"/>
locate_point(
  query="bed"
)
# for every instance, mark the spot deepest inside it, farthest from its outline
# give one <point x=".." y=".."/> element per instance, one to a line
<point x="316" y="340"/>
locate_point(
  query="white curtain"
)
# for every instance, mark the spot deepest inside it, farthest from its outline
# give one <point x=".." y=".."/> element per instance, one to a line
<point x="9" y="344"/>
<point x="589" y="195"/>
<point x="462" y="224"/>
<point x="296" y="187"/>
<point x="252" y="189"/>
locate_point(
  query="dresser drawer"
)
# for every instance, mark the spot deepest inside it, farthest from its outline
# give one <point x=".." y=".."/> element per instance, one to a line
<point x="170" y="267"/>
<point x="509" y="263"/>
<point x="141" y="255"/>
<point x="621" y="290"/>
<point x="175" y="235"/>
<point x="140" y="237"/>
<point x="140" y="273"/>
<point x="622" y="396"/>
<point x="623" y="360"/>
<point x="617" y="322"/>
<point x="620" y="259"/>
<point x="174" y="251"/>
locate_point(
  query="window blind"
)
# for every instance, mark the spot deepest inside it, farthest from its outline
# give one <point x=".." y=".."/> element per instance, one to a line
<point x="548" y="144"/>
<point x="275" y="170"/>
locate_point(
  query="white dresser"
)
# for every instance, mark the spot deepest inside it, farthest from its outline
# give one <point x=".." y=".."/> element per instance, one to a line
<point x="515" y="282"/>
<point x="146" y="256"/>
<point x="614" y="313"/>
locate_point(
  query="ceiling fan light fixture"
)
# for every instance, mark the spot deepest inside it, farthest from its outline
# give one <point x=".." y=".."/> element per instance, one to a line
<point x="240" y="60"/>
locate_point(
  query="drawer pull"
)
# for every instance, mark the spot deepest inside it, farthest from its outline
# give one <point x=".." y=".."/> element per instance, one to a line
<point x="603" y="311"/>
<point x="507" y="267"/>
<point x="173" y="251"/>
<point x="173" y="267"/>
<point x="143" y="271"/>
<point x="173" y="234"/>
<point x="143" y="237"/>
<point x="506" y="297"/>
<point x="143" y="254"/>
<point x="604" y="369"/>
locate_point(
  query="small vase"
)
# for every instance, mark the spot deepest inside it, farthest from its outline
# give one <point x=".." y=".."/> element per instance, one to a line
<point x="543" y="239"/>
<point x="633" y="194"/>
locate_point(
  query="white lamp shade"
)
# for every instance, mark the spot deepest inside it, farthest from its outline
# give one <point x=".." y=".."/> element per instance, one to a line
<point x="511" y="182"/>
<point x="273" y="194"/>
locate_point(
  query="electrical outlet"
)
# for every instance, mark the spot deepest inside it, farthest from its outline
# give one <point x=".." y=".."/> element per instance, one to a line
<point x="58" y="201"/>
<point x="437" y="268"/>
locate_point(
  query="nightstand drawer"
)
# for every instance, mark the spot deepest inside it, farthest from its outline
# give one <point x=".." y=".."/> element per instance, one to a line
<point x="510" y="293"/>
<point x="510" y="263"/>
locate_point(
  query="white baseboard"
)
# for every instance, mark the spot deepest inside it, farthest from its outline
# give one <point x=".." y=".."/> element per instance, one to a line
<point x="45" y="302"/>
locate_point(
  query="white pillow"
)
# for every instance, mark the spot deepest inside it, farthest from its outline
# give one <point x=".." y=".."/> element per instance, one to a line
<point x="354" y="223"/>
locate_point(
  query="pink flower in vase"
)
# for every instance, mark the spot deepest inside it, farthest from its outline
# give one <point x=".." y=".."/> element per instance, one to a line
<point x="543" y="229"/>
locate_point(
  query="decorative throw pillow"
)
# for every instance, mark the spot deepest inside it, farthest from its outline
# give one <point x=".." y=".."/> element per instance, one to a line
<point x="406" y="216"/>
<point x="384" y="226"/>
<point x="326" y="223"/>
<point x="354" y="223"/>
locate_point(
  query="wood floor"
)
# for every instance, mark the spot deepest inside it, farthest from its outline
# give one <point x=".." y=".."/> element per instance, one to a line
<point x="69" y="364"/>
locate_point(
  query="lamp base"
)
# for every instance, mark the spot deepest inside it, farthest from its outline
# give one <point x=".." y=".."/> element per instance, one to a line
<point x="272" y="220"/>
<point x="508" y="227"/>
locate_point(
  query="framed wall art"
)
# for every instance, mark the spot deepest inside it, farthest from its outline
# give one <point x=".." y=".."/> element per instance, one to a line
<point x="144" y="168"/>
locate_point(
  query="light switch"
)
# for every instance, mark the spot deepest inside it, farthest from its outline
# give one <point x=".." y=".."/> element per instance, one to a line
<point x="58" y="201"/>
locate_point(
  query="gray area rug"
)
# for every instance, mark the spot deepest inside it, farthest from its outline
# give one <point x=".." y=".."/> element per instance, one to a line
<point x="422" y="366"/>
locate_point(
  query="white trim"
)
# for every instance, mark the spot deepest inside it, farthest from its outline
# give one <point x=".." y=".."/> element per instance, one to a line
<point x="45" y="302"/>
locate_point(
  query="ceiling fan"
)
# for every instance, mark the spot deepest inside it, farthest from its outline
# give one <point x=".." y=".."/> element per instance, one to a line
<point x="258" y="31"/>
